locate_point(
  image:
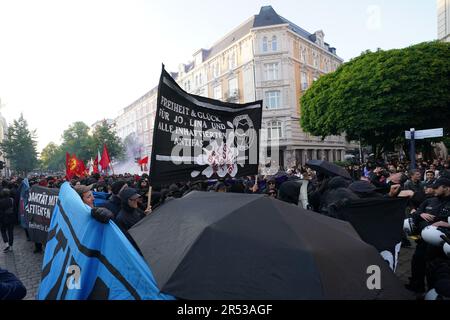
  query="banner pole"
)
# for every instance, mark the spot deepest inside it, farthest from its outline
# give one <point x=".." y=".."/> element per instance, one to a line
<point x="412" y="150"/>
<point x="149" y="202"/>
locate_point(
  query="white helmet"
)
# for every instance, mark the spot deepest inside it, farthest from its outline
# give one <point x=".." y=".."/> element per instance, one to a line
<point x="432" y="295"/>
<point x="447" y="249"/>
<point x="408" y="226"/>
<point x="432" y="236"/>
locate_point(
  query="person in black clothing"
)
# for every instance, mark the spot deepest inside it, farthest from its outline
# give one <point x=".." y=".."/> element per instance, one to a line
<point x="431" y="211"/>
<point x="130" y="214"/>
<point x="11" y="288"/>
<point x="7" y="219"/>
<point x="114" y="203"/>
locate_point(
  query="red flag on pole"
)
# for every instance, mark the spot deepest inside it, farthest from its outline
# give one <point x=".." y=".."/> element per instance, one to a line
<point x="95" y="167"/>
<point x="105" y="161"/>
<point x="71" y="165"/>
<point x="143" y="161"/>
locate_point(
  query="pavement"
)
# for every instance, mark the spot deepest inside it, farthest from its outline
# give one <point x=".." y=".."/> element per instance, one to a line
<point x="27" y="265"/>
<point x="22" y="262"/>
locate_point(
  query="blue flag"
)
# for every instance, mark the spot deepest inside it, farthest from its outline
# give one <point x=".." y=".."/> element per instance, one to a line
<point x="24" y="191"/>
<point x="85" y="259"/>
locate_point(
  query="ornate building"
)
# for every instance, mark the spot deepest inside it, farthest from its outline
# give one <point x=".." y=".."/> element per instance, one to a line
<point x="266" y="58"/>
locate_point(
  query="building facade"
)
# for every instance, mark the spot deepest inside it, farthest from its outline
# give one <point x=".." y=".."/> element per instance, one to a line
<point x="272" y="59"/>
<point x="135" y="123"/>
<point x="265" y="58"/>
<point x="443" y="13"/>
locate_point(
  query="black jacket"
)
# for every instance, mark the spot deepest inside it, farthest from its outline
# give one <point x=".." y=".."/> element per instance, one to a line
<point x="435" y="206"/>
<point x="113" y="205"/>
<point x="127" y="218"/>
<point x="7" y="215"/>
<point x="10" y="287"/>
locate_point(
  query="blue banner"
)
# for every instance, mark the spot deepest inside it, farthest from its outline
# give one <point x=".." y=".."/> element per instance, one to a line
<point x="85" y="259"/>
<point x="24" y="190"/>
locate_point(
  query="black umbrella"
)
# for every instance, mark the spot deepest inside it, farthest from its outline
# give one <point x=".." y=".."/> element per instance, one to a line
<point x="328" y="168"/>
<point x="239" y="246"/>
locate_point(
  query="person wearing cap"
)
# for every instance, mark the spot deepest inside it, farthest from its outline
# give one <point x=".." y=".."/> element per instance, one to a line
<point x="102" y="215"/>
<point x="433" y="211"/>
<point x="85" y="193"/>
<point x="130" y="214"/>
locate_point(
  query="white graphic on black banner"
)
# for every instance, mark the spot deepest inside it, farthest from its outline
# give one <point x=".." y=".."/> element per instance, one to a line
<point x="201" y="138"/>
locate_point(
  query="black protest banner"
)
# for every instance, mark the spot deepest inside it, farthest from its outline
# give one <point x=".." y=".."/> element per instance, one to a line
<point x="198" y="138"/>
<point x="378" y="222"/>
<point x="39" y="209"/>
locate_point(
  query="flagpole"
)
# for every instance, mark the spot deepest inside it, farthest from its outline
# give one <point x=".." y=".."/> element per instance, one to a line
<point x="110" y="164"/>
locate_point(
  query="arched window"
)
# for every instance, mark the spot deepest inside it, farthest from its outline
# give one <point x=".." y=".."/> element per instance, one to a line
<point x="274" y="43"/>
<point x="264" y="47"/>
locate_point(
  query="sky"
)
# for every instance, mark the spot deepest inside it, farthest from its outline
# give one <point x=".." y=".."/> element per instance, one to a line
<point x="63" y="61"/>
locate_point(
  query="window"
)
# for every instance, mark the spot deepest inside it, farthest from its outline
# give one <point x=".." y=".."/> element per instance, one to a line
<point x="200" y="80"/>
<point x="273" y="99"/>
<point x="274" y="130"/>
<point x="216" y="70"/>
<point x="233" y="87"/>
<point x="146" y="124"/>
<point x="264" y="47"/>
<point x="271" y="71"/>
<point x="232" y="61"/>
<point x="315" y="60"/>
<point x="218" y="92"/>
<point x="304" y="81"/>
<point x="274" y="43"/>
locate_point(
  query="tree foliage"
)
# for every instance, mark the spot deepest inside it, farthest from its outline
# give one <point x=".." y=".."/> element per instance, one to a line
<point x="52" y="157"/>
<point x="105" y="134"/>
<point x="379" y="95"/>
<point x="78" y="139"/>
<point x="19" y="146"/>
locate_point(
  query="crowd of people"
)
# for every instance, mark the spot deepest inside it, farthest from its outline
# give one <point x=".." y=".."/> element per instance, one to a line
<point x="126" y="199"/>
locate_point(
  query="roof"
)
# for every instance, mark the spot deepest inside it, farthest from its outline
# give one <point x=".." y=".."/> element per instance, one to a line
<point x="230" y="38"/>
<point x="267" y="17"/>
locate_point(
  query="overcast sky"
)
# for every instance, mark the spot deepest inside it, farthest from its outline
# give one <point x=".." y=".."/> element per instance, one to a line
<point x="83" y="60"/>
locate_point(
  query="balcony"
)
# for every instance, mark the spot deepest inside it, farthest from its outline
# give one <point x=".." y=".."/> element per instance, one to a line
<point x="232" y="96"/>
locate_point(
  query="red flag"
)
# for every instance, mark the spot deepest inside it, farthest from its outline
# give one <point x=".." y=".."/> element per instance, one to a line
<point x="143" y="161"/>
<point x="105" y="161"/>
<point x="95" y="167"/>
<point x="81" y="168"/>
<point x="74" y="166"/>
<point x="71" y="165"/>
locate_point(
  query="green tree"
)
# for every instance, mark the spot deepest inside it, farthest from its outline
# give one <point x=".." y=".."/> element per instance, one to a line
<point x="19" y="146"/>
<point x="76" y="139"/>
<point x="105" y="134"/>
<point x="52" y="157"/>
<point x="378" y="95"/>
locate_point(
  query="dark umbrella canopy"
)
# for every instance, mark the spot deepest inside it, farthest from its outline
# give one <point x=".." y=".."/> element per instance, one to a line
<point x="328" y="168"/>
<point x="239" y="246"/>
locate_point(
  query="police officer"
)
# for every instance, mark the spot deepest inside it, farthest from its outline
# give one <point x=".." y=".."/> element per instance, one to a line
<point x="433" y="211"/>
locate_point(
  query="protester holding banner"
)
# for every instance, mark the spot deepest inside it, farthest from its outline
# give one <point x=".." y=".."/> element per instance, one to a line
<point x="102" y="215"/>
<point x="130" y="214"/>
